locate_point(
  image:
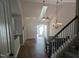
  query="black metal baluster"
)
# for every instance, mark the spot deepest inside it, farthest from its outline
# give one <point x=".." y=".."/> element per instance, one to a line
<point x="50" y="49"/>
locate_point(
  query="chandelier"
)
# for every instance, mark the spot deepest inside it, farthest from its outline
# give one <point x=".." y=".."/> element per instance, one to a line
<point x="57" y="23"/>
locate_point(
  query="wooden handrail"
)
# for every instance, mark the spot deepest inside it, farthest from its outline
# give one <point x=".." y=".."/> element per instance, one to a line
<point x="65" y="27"/>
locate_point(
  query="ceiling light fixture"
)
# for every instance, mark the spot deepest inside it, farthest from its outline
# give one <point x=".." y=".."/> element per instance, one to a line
<point x="46" y="19"/>
<point x="44" y="9"/>
<point x="57" y="23"/>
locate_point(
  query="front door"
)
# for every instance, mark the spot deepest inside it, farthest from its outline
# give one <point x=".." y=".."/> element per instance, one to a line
<point x="41" y="30"/>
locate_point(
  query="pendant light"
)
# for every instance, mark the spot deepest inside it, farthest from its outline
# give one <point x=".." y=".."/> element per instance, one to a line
<point x="57" y="23"/>
<point x="44" y="9"/>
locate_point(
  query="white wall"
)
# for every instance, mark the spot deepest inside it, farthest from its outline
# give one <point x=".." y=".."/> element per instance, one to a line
<point x="29" y="26"/>
<point x="16" y="46"/>
<point x="15" y="9"/>
<point x="34" y="9"/>
<point x="68" y="12"/>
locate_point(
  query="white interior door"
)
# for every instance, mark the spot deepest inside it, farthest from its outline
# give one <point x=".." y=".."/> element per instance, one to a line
<point x="4" y="48"/>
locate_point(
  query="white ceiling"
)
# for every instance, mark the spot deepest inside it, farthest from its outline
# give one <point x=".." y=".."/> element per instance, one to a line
<point x="49" y="1"/>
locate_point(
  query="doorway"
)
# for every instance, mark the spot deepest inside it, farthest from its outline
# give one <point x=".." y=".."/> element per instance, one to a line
<point x="4" y="31"/>
<point x="42" y="30"/>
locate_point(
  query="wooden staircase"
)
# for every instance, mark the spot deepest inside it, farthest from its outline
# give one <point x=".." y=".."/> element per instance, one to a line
<point x="73" y="50"/>
<point x="62" y="40"/>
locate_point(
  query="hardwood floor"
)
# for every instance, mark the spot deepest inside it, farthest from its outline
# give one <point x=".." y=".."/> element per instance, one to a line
<point x="33" y="48"/>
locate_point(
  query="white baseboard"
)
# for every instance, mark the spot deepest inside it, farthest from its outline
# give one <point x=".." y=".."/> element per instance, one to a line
<point x="4" y="56"/>
<point x="17" y="53"/>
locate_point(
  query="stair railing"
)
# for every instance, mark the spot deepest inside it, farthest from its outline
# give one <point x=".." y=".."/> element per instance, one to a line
<point x="61" y="39"/>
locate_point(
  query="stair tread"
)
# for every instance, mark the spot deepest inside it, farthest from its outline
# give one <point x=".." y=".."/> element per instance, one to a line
<point x="72" y="54"/>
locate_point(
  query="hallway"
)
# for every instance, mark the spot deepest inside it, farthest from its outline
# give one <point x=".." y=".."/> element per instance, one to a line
<point x="22" y="20"/>
<point x="33" y="49"/>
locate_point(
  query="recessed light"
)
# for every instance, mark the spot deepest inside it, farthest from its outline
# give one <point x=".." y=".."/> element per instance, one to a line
<point x="34" y="18"/>
<point x="27" y="18"/>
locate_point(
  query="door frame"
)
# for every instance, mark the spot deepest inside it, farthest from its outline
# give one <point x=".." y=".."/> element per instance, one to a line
<point x="6" y="19"/>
